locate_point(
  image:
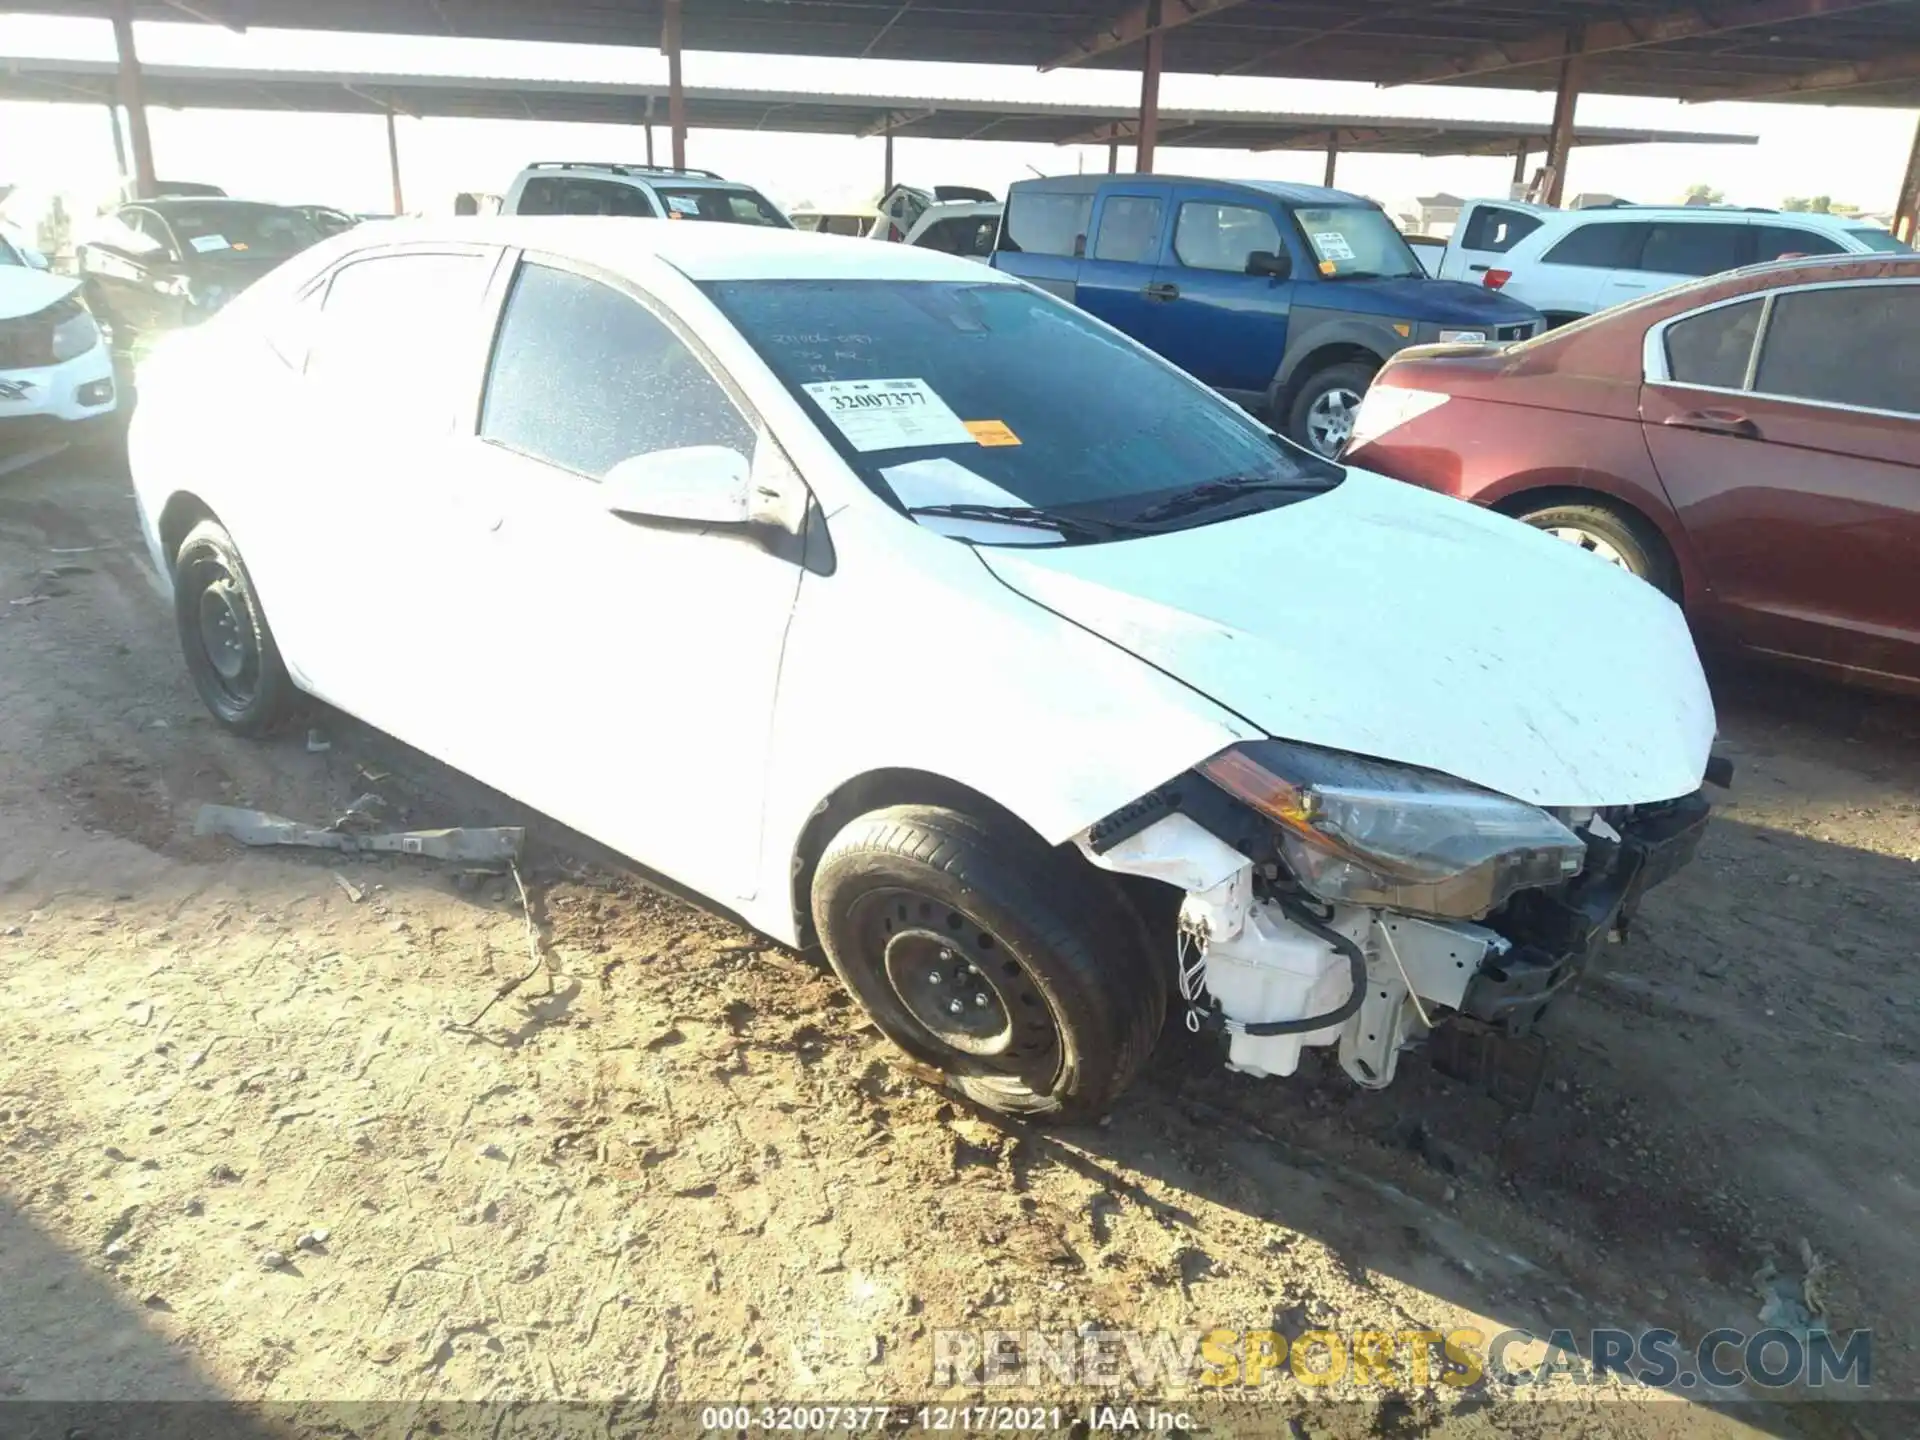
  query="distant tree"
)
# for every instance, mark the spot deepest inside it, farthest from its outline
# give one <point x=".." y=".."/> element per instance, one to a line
<point x="1818" y="205"/>
<point x="1704" y="195"/>
<point x="1795" y="204"/>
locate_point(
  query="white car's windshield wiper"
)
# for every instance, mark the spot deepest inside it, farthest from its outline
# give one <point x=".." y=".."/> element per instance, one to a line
<point x="1070" y="527"/>
<point x="1219" y="492"/>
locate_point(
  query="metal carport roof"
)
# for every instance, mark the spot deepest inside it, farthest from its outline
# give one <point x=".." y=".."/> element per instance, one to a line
<point x="499" y="97"/>
<point x="1864" y="52"/>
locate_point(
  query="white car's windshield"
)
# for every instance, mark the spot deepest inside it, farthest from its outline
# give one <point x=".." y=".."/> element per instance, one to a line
<point x="949" y="392"/>
<point x="729" y="207"/>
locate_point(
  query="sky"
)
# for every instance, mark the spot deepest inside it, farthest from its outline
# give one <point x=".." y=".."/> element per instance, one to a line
<point x="1854" y="155"/>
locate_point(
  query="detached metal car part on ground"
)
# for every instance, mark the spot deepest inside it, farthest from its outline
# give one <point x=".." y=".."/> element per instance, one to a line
<point x="909" y="610"/>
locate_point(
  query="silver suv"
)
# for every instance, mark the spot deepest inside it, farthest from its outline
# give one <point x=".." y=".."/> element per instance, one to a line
<point x="575" y="187"/>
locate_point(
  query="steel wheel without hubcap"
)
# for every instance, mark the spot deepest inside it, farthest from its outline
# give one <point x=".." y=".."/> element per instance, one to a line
<point x="1330" y="420"/>
<point x="227" y="635"/>
<point x="1597" y="545"/>
<point x="967" y="993"/>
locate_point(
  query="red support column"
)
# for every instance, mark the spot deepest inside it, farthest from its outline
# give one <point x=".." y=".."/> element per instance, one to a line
<point x="676" y="90"/>
<point x="393" y="164"/>
<point x="1149" y="94"/>
<point x="1560" y="143"/>
<point x="133" y="96"/>
<point x="1906" y="214"/>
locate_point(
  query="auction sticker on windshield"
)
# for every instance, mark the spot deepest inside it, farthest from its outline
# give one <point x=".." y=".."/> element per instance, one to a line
<point x="1332" y="245"/>
<point x="889" y="414"/>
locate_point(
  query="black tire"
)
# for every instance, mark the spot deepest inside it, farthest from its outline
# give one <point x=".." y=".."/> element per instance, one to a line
<point x="229" y="647"/>
<point x="1352" y="377"/>
<point x="1605" y="528"/>
<point x="1061" y="1004"/>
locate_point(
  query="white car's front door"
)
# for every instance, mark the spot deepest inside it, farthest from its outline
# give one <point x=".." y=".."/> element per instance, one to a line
<point x="624" y="679"/>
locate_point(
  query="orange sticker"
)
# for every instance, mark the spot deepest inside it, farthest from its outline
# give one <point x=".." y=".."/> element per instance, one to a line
<point x="991" y="432"/>
<point x="1327" y="267"/>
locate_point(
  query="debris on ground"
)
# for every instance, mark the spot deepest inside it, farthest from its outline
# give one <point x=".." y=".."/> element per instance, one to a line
<point x="1794" y="1305"/>
<point x="474" y="844"/>
<point x="318" y="742"/>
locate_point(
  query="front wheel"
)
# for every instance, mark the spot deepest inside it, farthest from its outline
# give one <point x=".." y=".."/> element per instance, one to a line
<point x="1608" y="535"/>
<point x="229" y="650"/>
<point x="990" y="957"/>
<point x="1325" y="406"/>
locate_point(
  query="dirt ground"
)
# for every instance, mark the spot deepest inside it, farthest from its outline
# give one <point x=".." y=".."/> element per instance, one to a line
<point x="252" y="1146"/>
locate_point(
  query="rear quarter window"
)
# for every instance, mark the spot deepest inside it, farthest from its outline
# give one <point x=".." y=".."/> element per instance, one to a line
<point x="1495" y="231"/>
<point x="1043" y="222"/>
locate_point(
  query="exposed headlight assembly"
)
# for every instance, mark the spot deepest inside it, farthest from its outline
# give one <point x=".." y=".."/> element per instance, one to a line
<point x="1387" y="407"/>
<point x="1462" y="337"/>
<point x="1363" y="832"/>
<point x="74" y="330"/>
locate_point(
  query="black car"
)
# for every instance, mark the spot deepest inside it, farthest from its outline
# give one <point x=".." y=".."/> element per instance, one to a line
<point x="156" y="265"/>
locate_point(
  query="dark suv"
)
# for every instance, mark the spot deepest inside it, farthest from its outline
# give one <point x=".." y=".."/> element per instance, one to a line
<point x="1285" y="297"/>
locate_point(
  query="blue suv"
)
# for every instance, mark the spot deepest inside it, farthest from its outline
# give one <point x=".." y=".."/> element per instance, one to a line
<point x="1285" y="297"/>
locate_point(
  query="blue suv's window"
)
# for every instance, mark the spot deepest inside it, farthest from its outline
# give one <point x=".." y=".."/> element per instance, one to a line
<point x="1041" y="222"/>
<point x="1212" y="236"/>
<point x="1356" y="242"/>
<point x="1129" y="229"/>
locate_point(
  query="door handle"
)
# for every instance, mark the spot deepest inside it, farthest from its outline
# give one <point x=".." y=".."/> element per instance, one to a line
<point x="1715" y="422"/>
<point x="1163" y="290"/>
<point x="1478" y="269"/>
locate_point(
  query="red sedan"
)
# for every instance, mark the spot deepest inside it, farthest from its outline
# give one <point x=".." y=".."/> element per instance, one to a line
<point x="1749" y="443"/>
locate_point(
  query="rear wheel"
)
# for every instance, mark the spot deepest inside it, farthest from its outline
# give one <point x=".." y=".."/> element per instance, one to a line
<point x="1325" y="406"/>
<point x="229" y="649"/>
<point x="990" y="957"/>
<point x="1609" y="535"/>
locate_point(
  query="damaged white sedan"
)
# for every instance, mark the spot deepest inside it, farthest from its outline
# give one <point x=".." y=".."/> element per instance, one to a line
<point x="901" y="608"/>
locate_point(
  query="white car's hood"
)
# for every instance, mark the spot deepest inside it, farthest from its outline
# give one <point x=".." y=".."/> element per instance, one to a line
<point x="25" y="291"/>
<point x="1392" y="622"/>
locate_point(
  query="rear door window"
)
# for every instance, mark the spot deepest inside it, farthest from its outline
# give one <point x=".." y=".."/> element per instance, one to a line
<point x="1714" y="347"/>
<point x="1214" y="236"/>
<point x="1129" y="229"/>
<point x="1046" y="222"/>
<point x="396" y="334"/>
<point x="1774" y="242"/>
<point x="1496" y="230"/>
<point x="584" y="377"/>
<point x="1694" y="247"/>
<point x="1600" y="245"/>
<point x="1854" y="345"/>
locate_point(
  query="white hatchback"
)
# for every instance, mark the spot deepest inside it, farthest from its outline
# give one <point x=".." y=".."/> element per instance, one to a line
<point x="895" y="605"/>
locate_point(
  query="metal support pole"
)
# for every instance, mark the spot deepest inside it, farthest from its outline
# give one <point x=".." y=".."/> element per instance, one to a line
<point x="133" y="95"/>
<point x="1565" y="100"/>
<point x="1906" y="214"/>
<point x="1149" y="94"/>
<point x="393" y="164"/>
<point x="886" y="172"/>
<point x="1333" y="160"/>
<point x="119" y="144"/>
<point x="1520" y="165"/>
<point x="676" y="90"/>
<point x="1113" y="157"/>
<point x="649" y="145"/>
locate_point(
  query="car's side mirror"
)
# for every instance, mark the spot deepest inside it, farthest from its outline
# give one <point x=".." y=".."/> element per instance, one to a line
<point x="1266" y="262"/>
<point x="37" y="259"/>
<point x="696" y="485"/>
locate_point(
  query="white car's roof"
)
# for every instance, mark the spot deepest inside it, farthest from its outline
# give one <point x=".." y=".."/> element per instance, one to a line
<point x="701" y="250"/>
